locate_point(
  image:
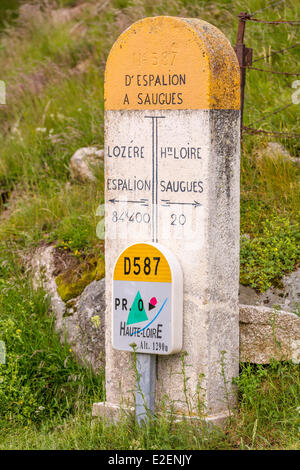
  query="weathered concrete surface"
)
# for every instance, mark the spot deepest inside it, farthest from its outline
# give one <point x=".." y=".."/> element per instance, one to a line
<point x="206" y="251"/>
<point x="192" y="203"/>
<point x="286" y="297"/>
<point x="267" y="334"/>
<point x="82" y="320"/>
<point x="164" y="45"/>
<point x="209" y="260"/>
<point x="114" y="413"/>
<point x="84" y="162"/>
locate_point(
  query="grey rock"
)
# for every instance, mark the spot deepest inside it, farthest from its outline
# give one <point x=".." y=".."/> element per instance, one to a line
<point x="65" y="15"/>
<point x="42" y="267"/>
<point x="287" y="297"/>
<point x="84" y="162"/>
<point x="89" y="338"/>
<point x="267" y="333"/>
<point x="81" y="321"/>
<point x="275" y="150"/>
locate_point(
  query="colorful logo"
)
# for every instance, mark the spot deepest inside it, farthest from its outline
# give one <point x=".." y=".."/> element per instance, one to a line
<point x="137" y="313"/>
<point x="152" y="303"/>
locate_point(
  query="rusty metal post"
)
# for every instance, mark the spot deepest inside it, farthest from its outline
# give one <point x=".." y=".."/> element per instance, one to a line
<point x="244" y="55"/>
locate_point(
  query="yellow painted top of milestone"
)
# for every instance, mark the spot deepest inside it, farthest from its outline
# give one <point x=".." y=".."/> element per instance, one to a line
<point x="172" y="63"/>
<point x="144" y="263"/>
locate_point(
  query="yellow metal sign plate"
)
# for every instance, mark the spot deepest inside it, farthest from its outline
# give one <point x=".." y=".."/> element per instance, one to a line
<point x="142" y="262"/>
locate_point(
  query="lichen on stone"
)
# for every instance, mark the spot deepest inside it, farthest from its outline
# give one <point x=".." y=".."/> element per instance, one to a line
<point x="96" y="321"/>
<point x="72" y="282"/>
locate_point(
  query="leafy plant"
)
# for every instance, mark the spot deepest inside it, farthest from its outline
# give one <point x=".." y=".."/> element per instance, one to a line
<point x="267" y="257"/>
<point x="40" y="376"/>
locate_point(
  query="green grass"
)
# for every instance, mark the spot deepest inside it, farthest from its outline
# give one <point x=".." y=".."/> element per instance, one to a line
<point x="268" y="256"/>
<point x="54" y="76"/>
<point x="40" y="377"/>
<point x="8" y="11"/>
<point x="268" y="418"/>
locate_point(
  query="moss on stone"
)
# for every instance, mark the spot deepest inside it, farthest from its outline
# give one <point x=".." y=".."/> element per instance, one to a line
<point x="73" y="281"/>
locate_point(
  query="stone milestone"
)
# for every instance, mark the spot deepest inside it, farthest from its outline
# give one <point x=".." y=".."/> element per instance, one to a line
<point x="172" y="143"/>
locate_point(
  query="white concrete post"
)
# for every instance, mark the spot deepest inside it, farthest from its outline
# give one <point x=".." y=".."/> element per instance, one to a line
<point x="172" y="176"/>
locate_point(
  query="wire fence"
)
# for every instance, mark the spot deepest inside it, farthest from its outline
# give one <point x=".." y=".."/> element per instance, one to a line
<point x="244" y="55"/>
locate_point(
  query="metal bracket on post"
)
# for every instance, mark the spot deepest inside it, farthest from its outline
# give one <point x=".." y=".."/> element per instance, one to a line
<point x="145" y="386"/>
<point x="244" y="55"/>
